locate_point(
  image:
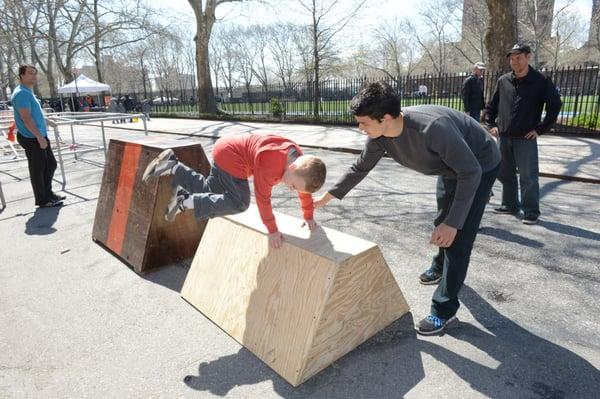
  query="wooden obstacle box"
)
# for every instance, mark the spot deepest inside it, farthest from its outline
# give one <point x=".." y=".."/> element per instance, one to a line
<point x="130" y="213"/>
<point x="298" y="308"/>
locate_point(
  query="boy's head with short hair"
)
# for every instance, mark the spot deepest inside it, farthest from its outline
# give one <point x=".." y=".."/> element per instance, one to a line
<point x="306" y="174"/>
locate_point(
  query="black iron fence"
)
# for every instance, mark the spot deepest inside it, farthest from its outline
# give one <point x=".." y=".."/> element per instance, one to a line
<point x="304" y="102"/>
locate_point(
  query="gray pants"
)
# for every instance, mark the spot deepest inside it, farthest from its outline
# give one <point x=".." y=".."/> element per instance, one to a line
<point x="218" y="194"/>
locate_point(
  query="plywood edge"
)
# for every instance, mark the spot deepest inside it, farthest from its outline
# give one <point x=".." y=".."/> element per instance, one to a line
<point x="397" y="309"/>
<point x="315" y="241"/>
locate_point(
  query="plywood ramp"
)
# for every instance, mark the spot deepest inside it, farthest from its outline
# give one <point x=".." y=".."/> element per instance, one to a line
<point x="298" y="308"/>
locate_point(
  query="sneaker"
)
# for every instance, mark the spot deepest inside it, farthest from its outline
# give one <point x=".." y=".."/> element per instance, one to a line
<point x="433" y="325"/>
<point x="161" y="165"/>
<point x="430" y="277"/>
<point x="530" y="219"/>
<point x="175" y="206"/>
<point x="56" y="197"/>
<point x="504" y="210"/>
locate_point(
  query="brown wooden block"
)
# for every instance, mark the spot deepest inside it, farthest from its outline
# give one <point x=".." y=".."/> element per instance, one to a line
<point x="298" y="308"/>
<point x="129" y="217"/>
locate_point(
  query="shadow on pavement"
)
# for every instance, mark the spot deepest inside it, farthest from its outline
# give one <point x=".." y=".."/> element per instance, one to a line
<point x="518" y="363"/>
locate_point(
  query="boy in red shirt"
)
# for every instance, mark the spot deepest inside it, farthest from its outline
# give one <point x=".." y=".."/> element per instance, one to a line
<point x="225" y="191"/>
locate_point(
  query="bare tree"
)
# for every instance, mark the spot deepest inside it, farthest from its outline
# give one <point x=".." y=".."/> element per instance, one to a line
<point x="568" y="34"/>
<point x="115" y="24"/>
<point x="433" y="31"/>
<point x="205" y="19"/>
<point x="474" y="26"/>
<point x="230" y="63"/>
<point x="259" y="40"/>
<point x="535" y="23"/>
<point x="246" y="55"/>
<point x="283" y="50"/>
<point x="217" y="50"/>
<point x="327" y="19"/>
<point x="393" y="54"/>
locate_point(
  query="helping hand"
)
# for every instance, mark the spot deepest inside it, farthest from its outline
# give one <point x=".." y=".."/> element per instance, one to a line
<point x="323" y="200"/>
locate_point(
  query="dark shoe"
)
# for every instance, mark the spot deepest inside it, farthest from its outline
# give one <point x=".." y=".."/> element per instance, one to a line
<point x="56" y="197"/>
<point x="175" y="206"/>
<point x="430" y="277"/>
<point x="530" y="219"/>
<point x="432" y="325"/>
<point x="504" y="210"/>
<point x="161" y="165"/>
<point x="51" y="204"/>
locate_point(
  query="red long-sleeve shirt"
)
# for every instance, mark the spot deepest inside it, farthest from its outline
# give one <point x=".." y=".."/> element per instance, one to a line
<point x="265" y="158"/>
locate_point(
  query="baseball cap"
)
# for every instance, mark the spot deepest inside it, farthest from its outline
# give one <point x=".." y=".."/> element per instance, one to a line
<point x="519" y="48"/>
<point x="479" y="65"/>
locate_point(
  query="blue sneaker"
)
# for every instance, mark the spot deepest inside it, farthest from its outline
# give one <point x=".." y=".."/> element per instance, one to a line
<point x="432" y="325"/>
<point x="429" y="277"/>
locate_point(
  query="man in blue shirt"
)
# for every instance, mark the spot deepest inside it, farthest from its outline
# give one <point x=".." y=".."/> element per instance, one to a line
<point x="32" y="136"/>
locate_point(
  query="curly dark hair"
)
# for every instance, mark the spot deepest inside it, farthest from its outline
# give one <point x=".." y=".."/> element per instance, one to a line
<point x="375" y="100"/>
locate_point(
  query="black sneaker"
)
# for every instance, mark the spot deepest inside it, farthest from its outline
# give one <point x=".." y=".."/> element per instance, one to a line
<point x="51" y="204"/>
<point x="56" y="197"/>
<point x="504" y="210"/>
<point x="530" y="219"/>
<point x="161" y="165"/>
<point x="175" y="206"/>
<point x="432" y="325"/>
<point x="430" y="277"/>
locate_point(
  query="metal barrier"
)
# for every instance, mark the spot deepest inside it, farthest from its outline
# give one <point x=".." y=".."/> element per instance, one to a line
<point x="71" y="119"/>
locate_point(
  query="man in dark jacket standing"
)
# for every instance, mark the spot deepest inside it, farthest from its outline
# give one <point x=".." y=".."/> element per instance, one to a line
<point x="472" y="92"/>
<point x="515" y="115"/>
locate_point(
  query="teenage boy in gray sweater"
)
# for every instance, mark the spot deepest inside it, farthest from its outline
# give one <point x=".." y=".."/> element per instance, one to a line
<point x="433" y="140"/>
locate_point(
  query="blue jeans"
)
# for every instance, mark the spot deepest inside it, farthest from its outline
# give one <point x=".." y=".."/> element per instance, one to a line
<point x="218" y="194"/>
<point x="453" y="262"/>
<point x="520" y="155"/>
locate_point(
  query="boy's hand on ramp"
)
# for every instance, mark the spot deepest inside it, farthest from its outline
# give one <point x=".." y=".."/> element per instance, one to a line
<point x="275" y="240"/>
<point x="310" y="223"/>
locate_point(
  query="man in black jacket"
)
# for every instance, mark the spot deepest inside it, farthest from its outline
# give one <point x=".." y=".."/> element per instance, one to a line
<point x="515" y="115"/>
<point x="472" y="92"/>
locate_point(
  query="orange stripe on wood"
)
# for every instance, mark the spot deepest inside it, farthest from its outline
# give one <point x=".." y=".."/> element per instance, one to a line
<point x="125" y="187"/>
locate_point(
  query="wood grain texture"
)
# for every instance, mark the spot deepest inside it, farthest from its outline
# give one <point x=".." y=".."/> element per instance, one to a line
<point x="148" y="240"/>
<point x="298" y="308"/>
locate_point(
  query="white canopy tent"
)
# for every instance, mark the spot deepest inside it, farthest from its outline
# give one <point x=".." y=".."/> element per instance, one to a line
<point x="83" y="85"/>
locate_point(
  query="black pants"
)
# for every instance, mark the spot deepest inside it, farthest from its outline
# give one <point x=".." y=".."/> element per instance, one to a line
<point x="42" y="165"/>
<point x="453" y="261"/>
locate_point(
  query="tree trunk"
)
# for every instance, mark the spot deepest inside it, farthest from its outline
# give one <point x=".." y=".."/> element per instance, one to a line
<point x="204" y="23"/>
<point x="316" y="56"/>
<point x="206" y="97"/>
<point x="501" y="33"/>
<point x="97" y="52"/>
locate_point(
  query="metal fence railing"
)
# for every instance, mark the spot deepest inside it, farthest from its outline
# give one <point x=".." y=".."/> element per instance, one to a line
<point x="304" y="102"/>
